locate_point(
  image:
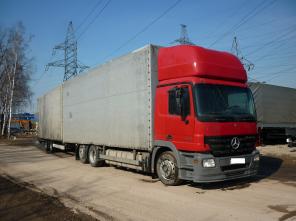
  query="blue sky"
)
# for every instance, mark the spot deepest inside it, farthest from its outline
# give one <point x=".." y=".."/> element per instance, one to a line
<point x="266" y="31"/>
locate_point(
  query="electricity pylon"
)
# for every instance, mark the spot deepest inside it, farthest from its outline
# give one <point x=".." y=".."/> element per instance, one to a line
<point x="235" y="50"/>
<point x="184" y="39"/>
<point x="70" y="63"/>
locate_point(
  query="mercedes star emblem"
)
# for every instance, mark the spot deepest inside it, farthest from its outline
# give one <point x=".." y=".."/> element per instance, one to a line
<point x="235" y="143"/>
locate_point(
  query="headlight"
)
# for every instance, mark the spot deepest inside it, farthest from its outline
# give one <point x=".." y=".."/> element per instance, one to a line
<point x="208" y="163"/>
<point x="256" y="158"/>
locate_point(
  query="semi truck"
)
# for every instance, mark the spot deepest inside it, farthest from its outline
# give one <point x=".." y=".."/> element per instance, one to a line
<point x="178" y="113"/>
<point x="276" y="112"/>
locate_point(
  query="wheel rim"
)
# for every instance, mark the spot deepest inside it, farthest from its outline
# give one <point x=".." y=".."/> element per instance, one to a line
<point x="167" y="169"/>
<point x="92" y="155"/>
<point x="81" y="152"/>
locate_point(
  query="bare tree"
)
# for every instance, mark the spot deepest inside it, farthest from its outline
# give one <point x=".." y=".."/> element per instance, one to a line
<point x="15" y="73"/>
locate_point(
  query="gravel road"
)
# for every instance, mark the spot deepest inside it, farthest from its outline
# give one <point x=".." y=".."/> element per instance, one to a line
<point x="109" y="193"/>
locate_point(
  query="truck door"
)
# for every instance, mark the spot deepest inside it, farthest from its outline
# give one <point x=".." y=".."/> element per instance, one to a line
<point x="180" y="120"/>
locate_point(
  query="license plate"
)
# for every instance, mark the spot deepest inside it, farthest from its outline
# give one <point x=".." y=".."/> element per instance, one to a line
<point x="237" y="161"/>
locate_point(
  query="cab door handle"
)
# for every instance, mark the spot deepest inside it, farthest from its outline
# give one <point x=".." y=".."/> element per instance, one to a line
<point x="169" y="137"/>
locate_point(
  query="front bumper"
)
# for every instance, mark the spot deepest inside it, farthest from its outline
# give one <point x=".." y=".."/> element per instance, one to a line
<point x="191" y="167"/>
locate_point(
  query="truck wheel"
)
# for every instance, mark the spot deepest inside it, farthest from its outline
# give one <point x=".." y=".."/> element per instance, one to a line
<point x="82" y="152"/>
<point x="167" y="169"/>
<point x="94" y="156"/>
<point x="49" y="147"/>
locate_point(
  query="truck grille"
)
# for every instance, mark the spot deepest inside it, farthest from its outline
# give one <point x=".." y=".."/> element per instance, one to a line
<point x="221" y="146"/>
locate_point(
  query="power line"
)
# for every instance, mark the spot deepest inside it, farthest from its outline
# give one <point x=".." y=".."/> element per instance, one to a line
<point x="253" y="79"/>
<point x="237" y="24"/>
<point x="145" y="28"/>
<point x="271" y="42"/>
<point x="42" y="75"/>
<point x="276" y="73"/>
<point x="280" y="41"/>
<point x="275" y="65"/>
<point x="89" y="14"/>
<point x="93" y="20"/>
<point x="255" y="11"/>
<point x="263" y="35"/>
<point x="221" y="24"/>
<point x="276" y="56"/>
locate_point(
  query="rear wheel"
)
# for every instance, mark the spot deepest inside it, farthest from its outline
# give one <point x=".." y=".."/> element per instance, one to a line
<point x="167" y="169"/>
<point x="94" y="156"/>
<point x="49" y="146"/>
<point x="83" y="153"/>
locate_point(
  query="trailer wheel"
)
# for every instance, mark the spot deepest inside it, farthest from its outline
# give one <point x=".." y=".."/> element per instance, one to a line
<point x="82" y="153"/>
<point x="167" y="169"/>
<point x="94" y="156"/>
<point x="49" y="146"/>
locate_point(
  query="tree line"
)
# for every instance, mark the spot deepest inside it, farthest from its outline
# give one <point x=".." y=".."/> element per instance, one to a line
<point x="15" y="74"/>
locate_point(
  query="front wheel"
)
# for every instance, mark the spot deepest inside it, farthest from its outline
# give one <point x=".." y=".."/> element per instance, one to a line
<point x="167" y="169"/>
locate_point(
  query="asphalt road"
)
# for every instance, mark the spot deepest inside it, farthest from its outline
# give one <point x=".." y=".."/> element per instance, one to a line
<point x="108" y="193"/>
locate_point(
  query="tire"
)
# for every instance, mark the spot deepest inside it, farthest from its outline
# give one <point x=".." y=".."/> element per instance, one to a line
<point x="167" y="169"/>
<point x="94" y="156"/>
<point x="49" y="147"/>
<point x="83" y="153"/>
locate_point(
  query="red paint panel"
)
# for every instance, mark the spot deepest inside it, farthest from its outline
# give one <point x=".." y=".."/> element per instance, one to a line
<point x="185" y="60"/>
<point x="170" y="127"/>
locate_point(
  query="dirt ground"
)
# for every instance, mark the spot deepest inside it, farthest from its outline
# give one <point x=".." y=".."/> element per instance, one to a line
<point x="39" y="186"/>
<point x="21" y="201"/>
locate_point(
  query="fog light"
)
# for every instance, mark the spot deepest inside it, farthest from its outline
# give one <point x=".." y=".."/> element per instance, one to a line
<point x="256" y="158"/>
<point x="208" y="163"/>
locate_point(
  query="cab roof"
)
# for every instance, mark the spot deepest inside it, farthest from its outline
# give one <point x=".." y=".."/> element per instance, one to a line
<point x="186" y="60"/>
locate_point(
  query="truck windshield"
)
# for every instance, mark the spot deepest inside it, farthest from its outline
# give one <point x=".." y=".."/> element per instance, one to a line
<point x="224" y="103"/>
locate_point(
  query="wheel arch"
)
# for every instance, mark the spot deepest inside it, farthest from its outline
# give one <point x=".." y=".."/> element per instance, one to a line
<point x="161" y="146"/>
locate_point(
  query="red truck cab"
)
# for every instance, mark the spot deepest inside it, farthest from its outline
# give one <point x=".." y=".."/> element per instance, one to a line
<point x="204" y="116"/>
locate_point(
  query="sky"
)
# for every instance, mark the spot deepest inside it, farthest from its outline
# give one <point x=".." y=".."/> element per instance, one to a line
<point x="105" y="29"/>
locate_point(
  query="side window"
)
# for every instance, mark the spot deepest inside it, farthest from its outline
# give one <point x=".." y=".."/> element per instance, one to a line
<point x="185" y="102"/>
<point x="179" y="101"/>
<point x="173" y="103"/>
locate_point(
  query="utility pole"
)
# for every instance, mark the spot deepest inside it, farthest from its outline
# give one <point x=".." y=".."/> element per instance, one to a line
<point x="236" y="51"/>
<point x="184" y="39"/>
<point x="70" y="62"/>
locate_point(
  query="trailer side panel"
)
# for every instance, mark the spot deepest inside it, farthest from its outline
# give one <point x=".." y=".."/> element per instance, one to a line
<point x="275" y="105"/>
<point x="111" y="105"/>
<point x="50" y="115"/>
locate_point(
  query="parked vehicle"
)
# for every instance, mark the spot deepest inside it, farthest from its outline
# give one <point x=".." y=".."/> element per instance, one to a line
<point x="182" y="113"/>
<point x="276" y="112"/>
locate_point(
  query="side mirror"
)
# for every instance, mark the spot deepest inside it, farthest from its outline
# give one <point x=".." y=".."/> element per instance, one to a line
<point x="178" y="95"/>
<point x="179" y="102"/>
<point x="183" y="102"/>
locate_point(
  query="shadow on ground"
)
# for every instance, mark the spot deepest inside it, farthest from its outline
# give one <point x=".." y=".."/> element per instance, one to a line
<point x="20" y="203"/>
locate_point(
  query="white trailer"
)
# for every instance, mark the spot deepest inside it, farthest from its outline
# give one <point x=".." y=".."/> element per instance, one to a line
<point x="276" y="111"/>
<point x="111" y="105"/>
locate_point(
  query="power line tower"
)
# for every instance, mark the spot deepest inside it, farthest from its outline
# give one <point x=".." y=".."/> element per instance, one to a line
<point x="235" y="50"/>
<point x="70" y="63"/>
<point x="184" y="39"/>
